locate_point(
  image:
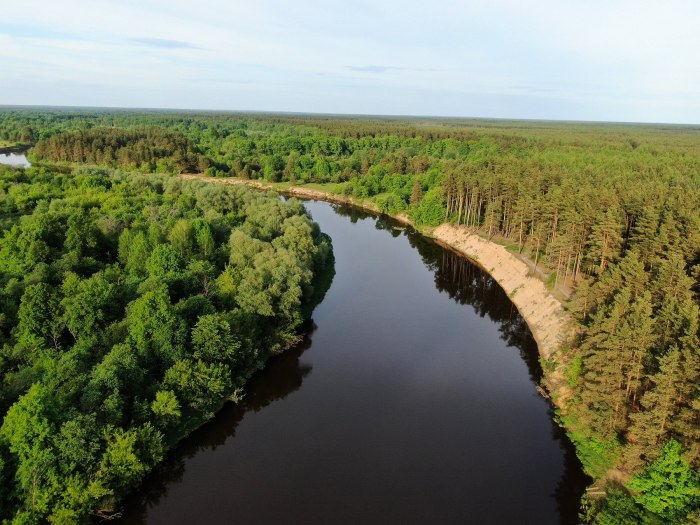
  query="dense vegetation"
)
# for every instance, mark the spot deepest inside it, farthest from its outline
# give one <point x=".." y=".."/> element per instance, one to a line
<point x="610" y="213"/>
<point x="149" y="149"/>
<point x="130" y="309"/>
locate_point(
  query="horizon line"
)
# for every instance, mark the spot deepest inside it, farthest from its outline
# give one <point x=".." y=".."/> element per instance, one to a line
<point x="342" y="115"/>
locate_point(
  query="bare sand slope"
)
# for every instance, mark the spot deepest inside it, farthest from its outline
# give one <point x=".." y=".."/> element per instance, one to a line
<point x="549" y="323"/>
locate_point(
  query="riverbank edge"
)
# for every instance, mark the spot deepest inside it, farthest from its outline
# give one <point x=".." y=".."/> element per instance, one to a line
<point x="17" y="147"/>
<point x="551" y="326"/>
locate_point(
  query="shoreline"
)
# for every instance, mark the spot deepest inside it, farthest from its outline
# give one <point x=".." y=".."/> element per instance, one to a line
<point x="551" y="326"/>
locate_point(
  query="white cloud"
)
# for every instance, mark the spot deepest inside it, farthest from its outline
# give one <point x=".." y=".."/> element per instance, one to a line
<point x="616" y="60"/>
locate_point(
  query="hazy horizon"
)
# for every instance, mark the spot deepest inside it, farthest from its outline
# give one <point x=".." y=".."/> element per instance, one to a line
<point x="337" y="114"/>
<point x="618" y="62"/>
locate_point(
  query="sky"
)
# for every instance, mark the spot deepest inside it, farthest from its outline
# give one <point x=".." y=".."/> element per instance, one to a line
<point x="603" y="60"/>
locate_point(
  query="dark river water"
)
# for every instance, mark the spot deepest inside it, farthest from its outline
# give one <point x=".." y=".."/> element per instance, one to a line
<point x="411" y="400"/>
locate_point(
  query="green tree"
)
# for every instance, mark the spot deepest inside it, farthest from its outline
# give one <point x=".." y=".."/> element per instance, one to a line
<point x="156" y="329"/>
<point x="28" y="428"/>
<point x="668" y="487"/>
<point x="659" y="404"/>
<point x="164" y="261"/>
<point x="213" y="341"/>
<point x="85" y="302"/>
<point x="618" y="508"/>
<point x="78" y="444"/>
<point x="134" y="251"/>
<point x="166" y="407"/>
<point x="431" y="209"/>
<point x="272" y="286"/>
<point x="128" y="456"/>
<point x="181" y="237"/>
<point x="198" y="384"/>
<point x="39" y="317"/>
<point x="82" y="233"/>
<point x="416" y="192"/>
<point x="204" y="239"/>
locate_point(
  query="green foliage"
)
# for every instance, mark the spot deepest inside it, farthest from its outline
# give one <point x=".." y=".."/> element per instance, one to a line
<point x="86" y="303"/>
<point x="166" y="407"/>
<point x="129" y="455"/>
<point x="574" y="370"/>
<point x="39" y="317"/>
<point x="202" y="385"/>
<point x="82" y="233"/>
<point x="134" y="251"/>
<point x="155" y="327"/>
<point x="213" y="341"/>
<point x="150" y="149"/>
<point x="121" y="321"/>
<point x="28" y="429"/>
<point x="617" y="223"/>
<point x="547" y="365"/>
<point x="618" y="508"/>
<point x="668" y="487"/>
<point x="391" y="203"/>
<point x="164" y="260"/>
<point x="431" y="209"/>
<point x="597" y="456"/>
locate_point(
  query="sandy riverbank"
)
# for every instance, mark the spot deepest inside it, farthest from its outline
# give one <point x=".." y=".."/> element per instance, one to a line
<point x="293" y="191"/>
<point x="548" y="321"/>
<point x="551" y="326"/>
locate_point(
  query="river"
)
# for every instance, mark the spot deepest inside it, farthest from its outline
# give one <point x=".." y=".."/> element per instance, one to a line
<point x="411" y="400"/>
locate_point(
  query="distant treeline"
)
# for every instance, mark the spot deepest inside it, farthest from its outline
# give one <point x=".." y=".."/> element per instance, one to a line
<point x="130" y="309"/>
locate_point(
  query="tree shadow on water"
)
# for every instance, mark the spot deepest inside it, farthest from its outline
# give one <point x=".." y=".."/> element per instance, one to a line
<point x="283" y="374"/>
<point x="468" y="284"/>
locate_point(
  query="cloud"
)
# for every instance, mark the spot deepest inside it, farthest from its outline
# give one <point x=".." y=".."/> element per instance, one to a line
<point x="164" y="43"/>
<point x="620" y="60"/>
<point x="384" y="69"/>
<point x="372" y="69"/>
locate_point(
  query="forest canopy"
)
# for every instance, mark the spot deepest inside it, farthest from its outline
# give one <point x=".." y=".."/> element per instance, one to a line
<point x="131" y="307"/>
<point x="607" y="214"/>
<point x="150" y="149"/>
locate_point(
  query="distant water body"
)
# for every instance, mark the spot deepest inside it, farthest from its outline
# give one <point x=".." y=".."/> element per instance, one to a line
<point x="15" y="159"/>
<point x="412" y="400"/>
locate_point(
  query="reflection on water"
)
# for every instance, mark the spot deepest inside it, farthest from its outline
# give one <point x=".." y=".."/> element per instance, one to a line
<point x="418" y="409"/>
<point x="465" y="283"/>
<point x="283" y="375"/>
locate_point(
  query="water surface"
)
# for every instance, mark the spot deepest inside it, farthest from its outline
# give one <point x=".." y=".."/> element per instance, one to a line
<point x="412" y="400"/>
<point x="15" y="159"/>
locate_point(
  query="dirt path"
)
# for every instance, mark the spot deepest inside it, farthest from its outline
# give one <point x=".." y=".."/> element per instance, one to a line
<point x="551" y="326"/>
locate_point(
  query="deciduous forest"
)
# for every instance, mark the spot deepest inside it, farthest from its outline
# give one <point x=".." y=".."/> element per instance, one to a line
<point x="131" y="307"/>
<point x="123" y="293"/>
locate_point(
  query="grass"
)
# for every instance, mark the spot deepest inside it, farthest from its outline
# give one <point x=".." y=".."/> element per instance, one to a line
<point x="329" y="187"/>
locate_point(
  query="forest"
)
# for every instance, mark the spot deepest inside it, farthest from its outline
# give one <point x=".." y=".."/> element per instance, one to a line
<point x="609" y="214"/>
<point x="131" y="308"/>
<point x="149" y="149"/>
